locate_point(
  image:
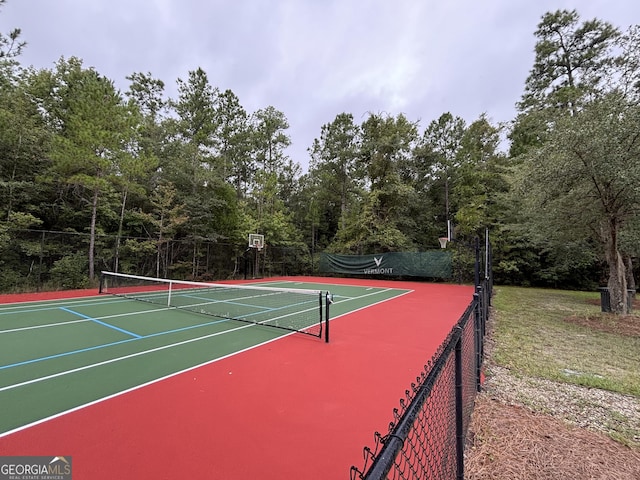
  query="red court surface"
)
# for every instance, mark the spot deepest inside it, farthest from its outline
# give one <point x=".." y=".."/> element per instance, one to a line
<point x="292" y="408"/>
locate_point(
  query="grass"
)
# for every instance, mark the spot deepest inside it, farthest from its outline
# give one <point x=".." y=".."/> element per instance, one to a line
<point x="536" y="335"/>
<point x="535" y="419"/>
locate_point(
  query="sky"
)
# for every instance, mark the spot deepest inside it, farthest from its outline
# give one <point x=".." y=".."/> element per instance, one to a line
<point x="312" y="59"/>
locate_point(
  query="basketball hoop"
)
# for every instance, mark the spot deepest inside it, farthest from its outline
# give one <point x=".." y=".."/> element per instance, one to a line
<point x="256" y="241"/>
<point x="443" y="242"/>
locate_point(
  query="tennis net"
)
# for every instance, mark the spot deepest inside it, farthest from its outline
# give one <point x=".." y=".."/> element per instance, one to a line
<point x="296" y="310"/>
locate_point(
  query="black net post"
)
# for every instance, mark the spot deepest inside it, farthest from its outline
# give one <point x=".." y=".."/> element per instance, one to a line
<point x="328" y="301"/>
<point x="101" y="286"/>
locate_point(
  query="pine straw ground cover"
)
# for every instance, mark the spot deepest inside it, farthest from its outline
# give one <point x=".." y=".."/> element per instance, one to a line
<point x="549" y="417"/>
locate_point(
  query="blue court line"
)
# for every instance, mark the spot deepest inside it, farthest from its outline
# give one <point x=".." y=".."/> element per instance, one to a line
<point x="136" y="337"/>
<point x="81" y="315"/>
<point x="105" y="345"/>
<point x="19" y="309"/>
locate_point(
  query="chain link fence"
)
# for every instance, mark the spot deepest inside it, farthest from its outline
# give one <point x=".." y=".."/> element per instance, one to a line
<point x="427" y="436"/>
<point x="426" y="439"/>
<point x="34" y="260"/>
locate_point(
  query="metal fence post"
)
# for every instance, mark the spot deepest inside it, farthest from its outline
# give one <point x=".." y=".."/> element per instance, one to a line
<point x="476" y="270"/>
<point x="477" y="334"/>
<point x="459" y="410"/>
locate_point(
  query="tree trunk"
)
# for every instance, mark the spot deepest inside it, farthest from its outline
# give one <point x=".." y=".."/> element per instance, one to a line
<point x="159" y="245"/>
<point x="617" y="283"/>
<point x="92" y="233"/>
<point x="120" y="228"/>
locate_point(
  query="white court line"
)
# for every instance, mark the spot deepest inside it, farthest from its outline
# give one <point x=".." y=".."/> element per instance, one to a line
<point x="262" y="323"/>
<point x="48" y="304"/>
<point x="348" y="299"/>
<point x="151" y="382"/>
<point x="113" y="360"/>
<point x="117" y="359"/>
<point x="57" y="324"/>
<point x="404" y="292"/>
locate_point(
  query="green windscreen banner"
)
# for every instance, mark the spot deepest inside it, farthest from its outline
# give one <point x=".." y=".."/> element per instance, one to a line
<point x="434" y="264"/>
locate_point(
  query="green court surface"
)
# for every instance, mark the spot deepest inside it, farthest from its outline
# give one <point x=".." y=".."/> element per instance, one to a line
<point x="59" y="355"/>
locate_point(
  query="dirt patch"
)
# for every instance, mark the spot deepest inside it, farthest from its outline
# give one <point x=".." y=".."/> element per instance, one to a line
<point x="627" y="325"/>
<point x="534" y="429"/>
<point x="511" y="442"/>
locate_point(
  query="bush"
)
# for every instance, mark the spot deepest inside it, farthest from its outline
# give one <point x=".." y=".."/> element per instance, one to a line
<point x="70" y="272"/>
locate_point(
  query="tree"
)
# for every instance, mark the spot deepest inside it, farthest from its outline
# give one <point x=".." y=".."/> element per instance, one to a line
<point x="576" y="63"/>
<point x="167" y="215"/>
<point x="625" y="74"/>
<point x="268" y="205"/>
<point x="269" y="142"/>
<point x="146" y="94"/>
<point x="133" y="168"/>
<point x="381" y="221"/>
<point x="90" y="121"/>
<point x="444" y="137"/>
<point x="192" y="165"/>
<point x="571" y="66"/>
<point x="10" y="44"/>
<point x="584" y="181"/>
<point x="234" y="146"/>
<point x="334" y="165"/>
<point x="24" y="143"/>
<point x="570" y="61"/>
<point x="481" y="178"/>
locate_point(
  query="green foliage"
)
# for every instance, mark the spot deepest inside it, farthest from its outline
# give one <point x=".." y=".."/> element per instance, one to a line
<point x="386" y="144"/>
<point x="571" y="68"/>
<point x="158" y="183"/>
<point x="625" y="76"/>
<point x="366" y="232"/>
<point x="335" y="174"/>
<point x="582" y="187"/>
<point x="10" y="44"/>
<point x="480" y="178"/>
<point x="570" y="59"/>
<point x="70" y="272"/>
<point x="134" y="252"/>
<point x="24" y="142"/>
<point x="587" y="171"/>
<point x="234" y="142"/>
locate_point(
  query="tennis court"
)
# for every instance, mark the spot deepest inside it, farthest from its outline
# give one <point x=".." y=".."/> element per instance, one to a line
<point x="211" y="389"/>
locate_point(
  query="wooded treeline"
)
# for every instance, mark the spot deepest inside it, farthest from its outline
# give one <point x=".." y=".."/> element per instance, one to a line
<point x="561" y="199"/>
